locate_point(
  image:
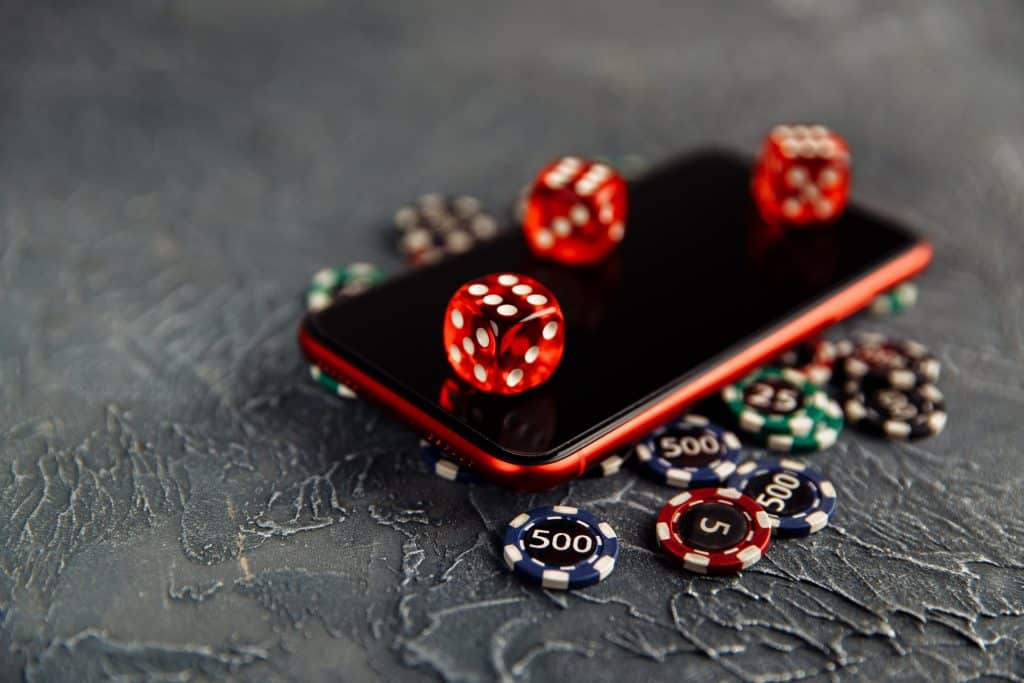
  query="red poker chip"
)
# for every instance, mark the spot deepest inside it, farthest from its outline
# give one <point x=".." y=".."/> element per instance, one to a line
<point x="714" y="531"/>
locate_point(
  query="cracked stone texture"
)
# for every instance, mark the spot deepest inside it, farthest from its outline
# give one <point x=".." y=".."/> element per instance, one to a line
<point x="179" y="502"/>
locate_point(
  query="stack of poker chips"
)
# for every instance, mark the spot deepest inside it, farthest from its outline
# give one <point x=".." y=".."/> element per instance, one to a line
<point x="889" y="386"/>
<point x="436" y="226"/>
<point x="886" y="386"/>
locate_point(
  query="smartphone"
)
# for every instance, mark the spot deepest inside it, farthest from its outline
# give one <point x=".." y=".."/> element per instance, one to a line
<point x="698" y="293"/>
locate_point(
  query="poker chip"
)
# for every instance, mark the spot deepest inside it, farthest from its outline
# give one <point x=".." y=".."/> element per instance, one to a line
<point x="691" y="452"/>
<point x="436" y="462"/>
<point x="714" y="530"/>
<point x="799" y="500"/>
<point x="560" y="547"/>
<point x="330" y="384"/>
<point x="815" y="359"/>
<point x="896" y="300"/>
<point x="823" y="435"/>
<point x="609" y="465"/>
<point x="902" y="363"/>
<point x="774" y="400"/>
<point x="436" y="226"/>
<point x="343" y="281"/>
<point x="895" y="412"/>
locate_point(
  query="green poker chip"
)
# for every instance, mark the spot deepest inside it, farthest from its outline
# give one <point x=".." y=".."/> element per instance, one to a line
<point x="822" y="436"/>
<point x="779" y="401"/>
<point x="325" y="286"/>
<point x="896" y="300"/>
<point x="330" y="283"/>
<point x="329" y="383"/>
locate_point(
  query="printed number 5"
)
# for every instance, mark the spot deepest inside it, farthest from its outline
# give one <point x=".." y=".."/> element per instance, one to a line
<point x="709" y="526"/>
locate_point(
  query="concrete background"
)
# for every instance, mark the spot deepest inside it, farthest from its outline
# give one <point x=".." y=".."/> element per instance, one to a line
<point x="179" y="502"/>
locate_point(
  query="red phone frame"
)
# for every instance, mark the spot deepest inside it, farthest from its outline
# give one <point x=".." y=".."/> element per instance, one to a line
<point x="535" y="477"/>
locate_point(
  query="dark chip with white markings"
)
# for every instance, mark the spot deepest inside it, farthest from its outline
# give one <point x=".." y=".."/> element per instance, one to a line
<point x="436" y="226"/>
<point x="902" y="363"/>
<point x="895" y="412"/>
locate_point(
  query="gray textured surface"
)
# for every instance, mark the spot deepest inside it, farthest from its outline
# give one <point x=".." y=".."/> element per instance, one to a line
<point x="178" y="501"/>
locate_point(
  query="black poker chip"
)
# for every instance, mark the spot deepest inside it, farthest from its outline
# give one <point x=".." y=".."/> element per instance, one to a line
<point x="435" y="226"/>
<point x="901" y="363"/>
<point x="874" y="404"/>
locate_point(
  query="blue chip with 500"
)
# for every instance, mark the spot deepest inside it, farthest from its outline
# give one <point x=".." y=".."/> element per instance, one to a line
<point x="691" y="452"/>
<point x="560" y="547"/>
<point x="797" y="497"/>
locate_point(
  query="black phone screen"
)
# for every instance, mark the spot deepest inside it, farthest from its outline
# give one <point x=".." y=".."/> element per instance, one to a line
<point x="697" y="278"/>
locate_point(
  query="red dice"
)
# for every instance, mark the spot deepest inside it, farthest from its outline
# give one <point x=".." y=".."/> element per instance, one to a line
<point x="576" y="211"/>
<point x="504" y="333"/>
<point x="803" y="176"/>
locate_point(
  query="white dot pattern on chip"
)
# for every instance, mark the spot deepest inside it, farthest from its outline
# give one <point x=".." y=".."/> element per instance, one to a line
<point x="514" y="377"/>
<point x="480" y="373"/>
<point x="318" y="301"/>
<point x="325" y="278"/>
<point x="481" y="338"/>
<point x="479" y="289"/>
<point x="457" y="319"/>
<point x="536" y="299"/>
<point x="492" y="300"/>
<point x="484" y="227"/>
<point x="405" y="217"/>
<point x="507" y="310"/>
<point x="466" y="205"/>
<point x="507" y="280"/>
<point x="550" y="330"/>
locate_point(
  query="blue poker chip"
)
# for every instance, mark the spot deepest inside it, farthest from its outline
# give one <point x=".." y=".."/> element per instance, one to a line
<point x="797" y="497"/>
<point x="691" y="452"/>
<point x="560" y="547"/>
<point x="436" y="462"/>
